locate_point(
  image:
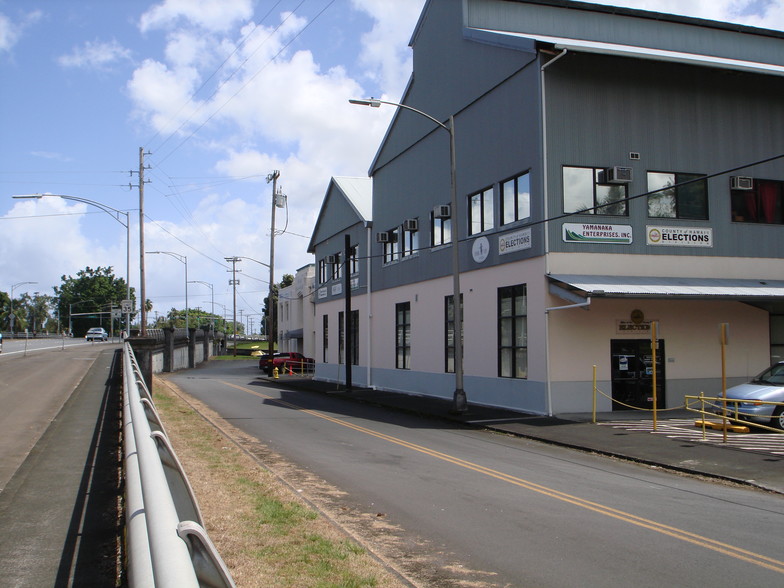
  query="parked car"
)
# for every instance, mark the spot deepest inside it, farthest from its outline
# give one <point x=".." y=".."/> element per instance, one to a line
<point x="766" y="387"/>
<point x="97" y="334"/>
<point x="285" y="360"/>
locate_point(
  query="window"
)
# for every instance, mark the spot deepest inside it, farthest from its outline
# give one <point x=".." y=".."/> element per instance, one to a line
<point x="322" y="271"/>
<point x="440" y="230"/>
<point x="516" y="199"/>
<point x="764" y="203"/>
<point x="325" y="337"/>
<point x="410" y="244"/>
<point x="341" y="336"/>
<point x="513" y="332"/>
<point x="392" y="247"/>
<point x="403" y="335"/>
<point x="337" y="267"/>
<point x="449" y="324"/>
<point x="677" y="195"/>
<point x="480" y="207"/>
<point x="353" y="262"/>
<point x="353" y="352"/>
<point x="584" y="193"/>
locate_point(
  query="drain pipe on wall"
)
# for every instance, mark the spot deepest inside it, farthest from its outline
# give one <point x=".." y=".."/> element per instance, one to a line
<point x="547" y="311"/>
<point x="545" y="190"/>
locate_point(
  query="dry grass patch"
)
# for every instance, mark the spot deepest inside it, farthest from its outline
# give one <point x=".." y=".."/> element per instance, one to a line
<point x="265" y="533"/>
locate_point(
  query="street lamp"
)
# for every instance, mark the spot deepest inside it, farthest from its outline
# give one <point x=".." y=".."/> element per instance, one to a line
<point x="459" y="401"/>
<point x="212" y="298"/>
<point x="115" y="214"/>
<point x="13" y="286"/>
<point x="184" y="260"/>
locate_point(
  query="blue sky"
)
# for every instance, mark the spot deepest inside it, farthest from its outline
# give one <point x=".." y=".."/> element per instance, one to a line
<point x="221" y="93"/>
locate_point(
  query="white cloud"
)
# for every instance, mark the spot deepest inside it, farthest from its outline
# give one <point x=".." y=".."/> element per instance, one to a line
<point x="759" y="13"/>
<point x="95" y="55"/>
<point x="11" y="32"/>
<point x="211" y="15"/>
<point x="385" y="53"/>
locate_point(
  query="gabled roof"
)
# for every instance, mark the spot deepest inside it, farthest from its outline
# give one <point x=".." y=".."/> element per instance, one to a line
<point x="356" y="193"/>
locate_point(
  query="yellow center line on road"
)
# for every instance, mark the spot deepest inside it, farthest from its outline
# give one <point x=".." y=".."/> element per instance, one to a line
<point x="681" y="534"/>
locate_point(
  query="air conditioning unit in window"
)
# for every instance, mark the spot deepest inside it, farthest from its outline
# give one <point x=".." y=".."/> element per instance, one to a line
<point x="741" y="182"/>
<point x="383" y="237"/>
<point x="442" y="211"/>
<point x="333" y="259"/>
<point x="617" y="175"/>
<point x="411" y="225"/>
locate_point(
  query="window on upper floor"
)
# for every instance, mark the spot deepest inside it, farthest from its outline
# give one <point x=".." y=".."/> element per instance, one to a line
<point x="410" y="243"/>
<point x="353" y="261"/>
<point x="583" y="191"/>
<point x="516" y="199"/>
<point x="392" y="246"/>
<point x="323" y="272"/>
<point x="337" y="267"/>
<point x="480" y="210"/>
<point x="440" y="230"/>
<point x="759" y="201"/>
<point x="677" y="195"/>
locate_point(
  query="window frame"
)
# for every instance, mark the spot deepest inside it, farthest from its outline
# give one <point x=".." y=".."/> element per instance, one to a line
<point x="449" y="332"/>
<point x="514" y="199"/>
<point x="409" y="243"/>
<point x="391" y="250"/>
<point x="440" y="231"/>
<point x="516" y="347"/>
<point x="481" y="204"/>
<point x="679" y="195"/>
<point x="596" y="206"/>
<point x="739" y="203"/>
<point x="403" y="336"/>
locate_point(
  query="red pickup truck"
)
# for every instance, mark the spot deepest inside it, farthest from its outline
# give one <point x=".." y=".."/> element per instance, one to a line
<point x="285" y="360"/>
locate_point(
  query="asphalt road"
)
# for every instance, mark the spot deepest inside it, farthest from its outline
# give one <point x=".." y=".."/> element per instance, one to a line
<point x="520" y="512"/>
<point x="36" y="379"/>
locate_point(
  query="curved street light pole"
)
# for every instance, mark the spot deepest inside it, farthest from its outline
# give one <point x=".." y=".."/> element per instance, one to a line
<point x="212" y="300"/>
<point x="11" y="301"/>
<point x="184" y="260"/>
<point x="115" y="214"/>
<point x="459" y="400"/>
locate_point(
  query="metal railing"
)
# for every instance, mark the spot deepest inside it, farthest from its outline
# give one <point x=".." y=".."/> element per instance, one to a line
<point x="730" y="410"/>
<point x="167" y="545"/>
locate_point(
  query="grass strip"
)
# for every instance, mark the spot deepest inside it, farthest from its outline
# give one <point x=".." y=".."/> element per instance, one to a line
<point x="266" y="535"/>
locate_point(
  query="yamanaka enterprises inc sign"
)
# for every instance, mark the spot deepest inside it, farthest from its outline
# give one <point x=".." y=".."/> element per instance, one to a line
<point x="597" y="233"/>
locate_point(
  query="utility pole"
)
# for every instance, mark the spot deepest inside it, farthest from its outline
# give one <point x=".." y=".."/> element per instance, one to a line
<point x="273" y="177"/>
<point x="142" y="283"/>
<point x="233" y="283"/>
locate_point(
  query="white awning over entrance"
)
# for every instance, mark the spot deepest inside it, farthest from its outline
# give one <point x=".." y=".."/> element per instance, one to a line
<point x="656" y="287"/>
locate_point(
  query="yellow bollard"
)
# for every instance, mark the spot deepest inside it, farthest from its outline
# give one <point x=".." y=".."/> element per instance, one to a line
<point x="275" y="373"/>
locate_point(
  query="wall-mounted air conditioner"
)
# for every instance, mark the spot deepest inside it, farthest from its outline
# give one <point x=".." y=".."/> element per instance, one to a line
<point x="617" y="175"/>
<point x="333" y="259"/>
<point x="741" y="183"/>
<point x="411" y="225"/>
<point x="442" y="211"/>
<point x="383" y="237"/>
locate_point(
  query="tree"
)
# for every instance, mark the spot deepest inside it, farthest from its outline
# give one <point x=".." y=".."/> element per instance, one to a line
<point x="287" y="281"/>
<point x="86" y="300"/>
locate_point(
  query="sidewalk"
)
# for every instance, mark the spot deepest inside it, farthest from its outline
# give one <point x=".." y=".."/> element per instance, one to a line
<point x="753" y="468"/>
<point x="59" y="513"/>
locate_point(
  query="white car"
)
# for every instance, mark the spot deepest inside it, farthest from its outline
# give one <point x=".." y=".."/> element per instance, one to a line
<point x="97" y="334"/>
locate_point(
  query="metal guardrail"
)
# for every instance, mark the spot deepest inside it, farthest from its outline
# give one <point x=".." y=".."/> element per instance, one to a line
<point x="167" y="545"/>
<point x="729" y="410"/>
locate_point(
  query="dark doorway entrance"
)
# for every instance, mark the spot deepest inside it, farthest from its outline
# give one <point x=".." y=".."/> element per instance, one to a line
<point x="632" y="373"/>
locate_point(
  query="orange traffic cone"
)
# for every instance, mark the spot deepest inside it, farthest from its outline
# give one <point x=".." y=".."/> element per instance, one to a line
<point x="291" y="371"/>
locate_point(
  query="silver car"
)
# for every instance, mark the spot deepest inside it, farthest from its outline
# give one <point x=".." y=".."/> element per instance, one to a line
<point x="97" y="334"/>
<point x="766" y="387"/>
